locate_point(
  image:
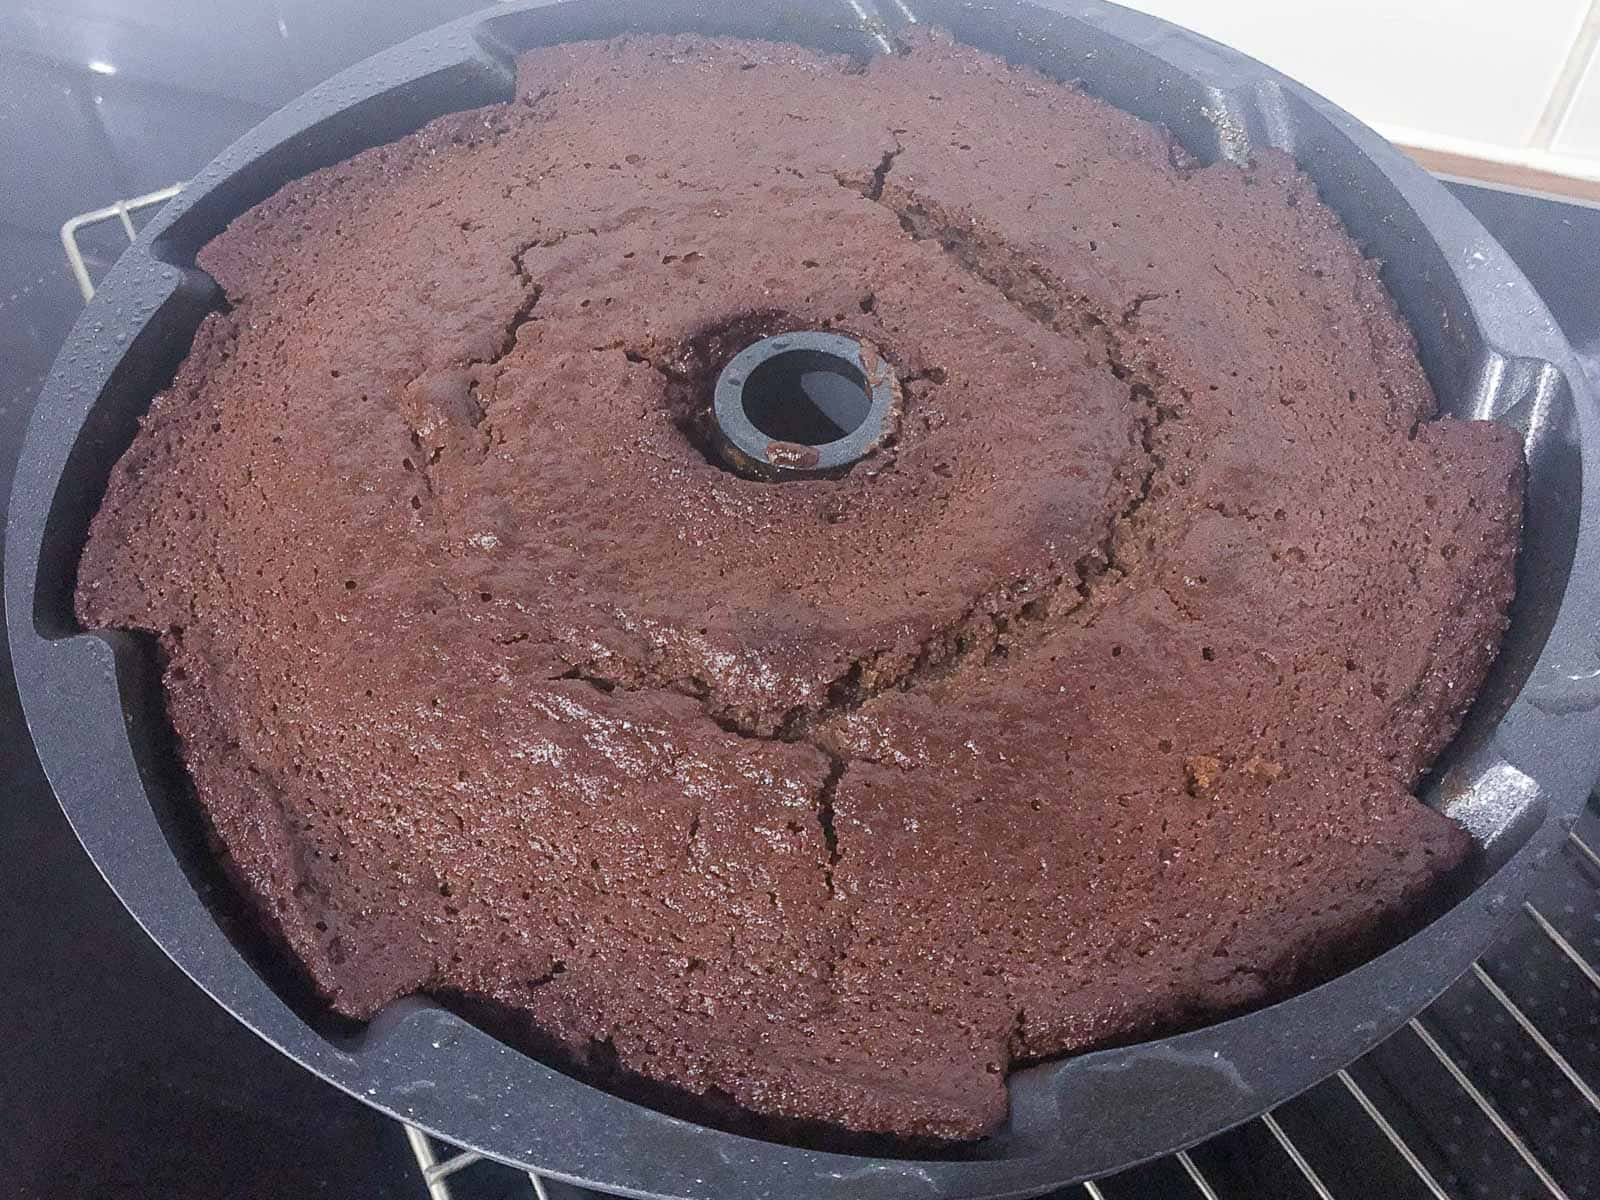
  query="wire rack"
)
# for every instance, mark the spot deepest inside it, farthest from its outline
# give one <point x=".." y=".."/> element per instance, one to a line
<point x="1492" y="1094"/>
<point x="123" y="212"/>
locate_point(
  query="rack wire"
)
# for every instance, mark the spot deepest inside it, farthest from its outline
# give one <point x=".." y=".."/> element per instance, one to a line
<point x="120" y="211"/>
<point x="448" y="1172"/>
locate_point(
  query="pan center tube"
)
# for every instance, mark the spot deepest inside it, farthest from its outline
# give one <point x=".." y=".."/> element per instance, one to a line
<point x="803" y="405"/>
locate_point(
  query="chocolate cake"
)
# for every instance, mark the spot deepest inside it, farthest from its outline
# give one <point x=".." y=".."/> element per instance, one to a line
<point x="1089" y="705"/>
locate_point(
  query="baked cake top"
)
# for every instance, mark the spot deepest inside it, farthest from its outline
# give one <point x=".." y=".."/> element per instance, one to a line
<point x="1089" y="706"/>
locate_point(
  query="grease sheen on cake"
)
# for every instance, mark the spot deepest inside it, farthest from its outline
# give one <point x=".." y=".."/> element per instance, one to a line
<point x="1091" y="706"/>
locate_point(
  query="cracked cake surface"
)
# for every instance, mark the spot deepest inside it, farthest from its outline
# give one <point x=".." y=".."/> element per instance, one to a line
<point x="1089" y="707"/>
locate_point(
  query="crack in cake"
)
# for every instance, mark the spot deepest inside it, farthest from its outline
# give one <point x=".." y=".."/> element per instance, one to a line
<point x="1090" y="706"/>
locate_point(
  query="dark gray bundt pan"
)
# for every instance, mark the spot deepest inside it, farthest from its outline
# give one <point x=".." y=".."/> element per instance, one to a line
<point x="1516" y="777"/>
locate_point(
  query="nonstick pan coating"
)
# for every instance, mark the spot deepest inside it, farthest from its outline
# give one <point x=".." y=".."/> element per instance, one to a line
<point x="1516" y="777"/>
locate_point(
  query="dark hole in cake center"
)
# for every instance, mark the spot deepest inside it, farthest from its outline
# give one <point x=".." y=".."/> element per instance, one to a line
<point x="802" y="405"/>
<point x="808" y="397"/>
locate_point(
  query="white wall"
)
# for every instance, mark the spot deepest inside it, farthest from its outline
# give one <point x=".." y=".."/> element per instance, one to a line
<point x="1514" y="82"/>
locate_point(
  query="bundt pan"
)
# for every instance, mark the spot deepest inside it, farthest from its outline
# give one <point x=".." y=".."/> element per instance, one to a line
<point x="1516" y="777"/>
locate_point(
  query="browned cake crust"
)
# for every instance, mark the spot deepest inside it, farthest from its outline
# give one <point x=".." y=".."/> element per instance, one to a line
<point x="1091" y="706"/>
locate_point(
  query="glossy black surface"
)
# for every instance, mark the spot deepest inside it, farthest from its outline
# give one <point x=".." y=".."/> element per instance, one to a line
<point x="121" y="1078"/>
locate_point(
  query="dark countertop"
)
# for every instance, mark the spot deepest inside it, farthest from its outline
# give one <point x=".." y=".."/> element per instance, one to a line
<point x="120" y="1078"/>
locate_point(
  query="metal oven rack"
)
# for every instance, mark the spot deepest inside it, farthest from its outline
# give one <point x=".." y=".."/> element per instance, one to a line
<point x="121" y="211"/>
<point x="1492" y="1094"/>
